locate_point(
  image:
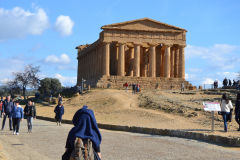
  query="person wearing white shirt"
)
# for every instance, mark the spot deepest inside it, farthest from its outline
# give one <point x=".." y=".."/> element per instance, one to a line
<point x="226" y="106"/>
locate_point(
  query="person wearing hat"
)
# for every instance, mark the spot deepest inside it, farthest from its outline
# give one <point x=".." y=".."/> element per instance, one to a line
<point x="17" y="117"/>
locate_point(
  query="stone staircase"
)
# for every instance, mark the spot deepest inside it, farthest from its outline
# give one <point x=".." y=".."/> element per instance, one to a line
<point x="145" y="82"/>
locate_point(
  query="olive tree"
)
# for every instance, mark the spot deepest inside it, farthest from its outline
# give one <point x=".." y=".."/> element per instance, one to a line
<point x="27" y="78"/>
<point x="50" y="86"/>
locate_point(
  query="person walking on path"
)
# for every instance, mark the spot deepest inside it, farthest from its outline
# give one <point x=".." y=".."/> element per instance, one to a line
<point x="30" y="113"/>
<point x="59" y="111"/>
<point x="237" y="110"/>
<point x="85" y="128"/>
<point x="7" y="112"/>
<point x="59" y="97"/>
<point x="17" y="116"/>
<point x="226" y="106"/>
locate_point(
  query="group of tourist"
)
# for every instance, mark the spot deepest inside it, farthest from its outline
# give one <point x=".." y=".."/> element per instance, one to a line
<point x="12" y="110"/>
<point x="230" y="83"/>
<point x="135" y="87"/>
<point x="227" y="109"/>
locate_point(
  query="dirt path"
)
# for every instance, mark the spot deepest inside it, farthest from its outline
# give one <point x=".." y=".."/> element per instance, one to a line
<point x="48" y="140"/>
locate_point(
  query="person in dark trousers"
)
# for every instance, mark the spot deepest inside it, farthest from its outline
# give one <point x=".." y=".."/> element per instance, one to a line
<point x="85" y="127"/>
<point x="226" y="106"/>
<point x="133" y="88"/>
<point x="7" y="112"/>
<point x="59" y="97"/>
<point x="230" y="82"/>
<point x="59" y="111"/>
<point x="1" y="108"/>
<point x="237" y="110"/>
<point x="17" y="116"/>
<point x="30" y="113"/>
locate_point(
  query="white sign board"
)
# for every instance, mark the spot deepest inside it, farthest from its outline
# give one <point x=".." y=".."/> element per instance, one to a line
<point x="211" y="106"/>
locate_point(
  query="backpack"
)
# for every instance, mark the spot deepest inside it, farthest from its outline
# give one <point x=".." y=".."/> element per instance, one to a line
<point x="83" y="150"/>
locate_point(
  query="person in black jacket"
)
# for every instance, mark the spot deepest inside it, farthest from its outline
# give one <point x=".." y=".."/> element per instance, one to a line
<point x="7" y="112"/>
<point x="29" y="114"/>
<point x="237" y="110"/>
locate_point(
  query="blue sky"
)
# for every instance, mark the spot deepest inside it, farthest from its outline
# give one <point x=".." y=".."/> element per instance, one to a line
<point x="46" y="32"/>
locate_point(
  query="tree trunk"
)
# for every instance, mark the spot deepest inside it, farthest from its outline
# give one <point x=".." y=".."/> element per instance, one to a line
<point x="24" y="92"/>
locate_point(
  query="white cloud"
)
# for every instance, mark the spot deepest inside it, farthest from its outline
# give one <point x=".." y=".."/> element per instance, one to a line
<point x="18" y="23"/>
<point x="219" y="56"/>
<point x="64" y="25"/>
<point x="208" y="81"/>
<point x="66" y="81"/>
<point x="64" y="58"/>
<point x="4" y="81"/>
<point x="228" y="75"/>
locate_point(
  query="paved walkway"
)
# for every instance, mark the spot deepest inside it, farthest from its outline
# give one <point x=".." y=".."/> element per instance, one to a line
<point x="47" y="143"/>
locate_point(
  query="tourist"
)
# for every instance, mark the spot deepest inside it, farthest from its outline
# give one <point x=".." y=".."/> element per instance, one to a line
<point x="215" y="84"/>
<point x="59" y="97"/>
<point x="1" y="108"/>
<point x="133" y="88"/>
<point x="237" y="110"/>
<point x="85" y="129"/>
<point x="226" y="106"/>
<point x="182" y="86"/>
<point x="137" y="87"/>
<point x="7" y="112"/>
<point x="126" y="86"/>
<point x="30" y="113"/>
<point x="17" y="116"/>
<point x="59" y="111"/>
<point x="225" y="82"/>
<point x="230" y="82"/>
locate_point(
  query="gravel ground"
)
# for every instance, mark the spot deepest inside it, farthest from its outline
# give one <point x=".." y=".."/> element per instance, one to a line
<point x="47" y="143"/>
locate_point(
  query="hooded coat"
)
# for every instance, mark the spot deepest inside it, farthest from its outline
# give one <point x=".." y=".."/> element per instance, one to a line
<point x="85" y="127"/>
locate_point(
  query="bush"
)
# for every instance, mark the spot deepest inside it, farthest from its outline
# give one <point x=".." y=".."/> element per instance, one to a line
<point x="69" y="91"/>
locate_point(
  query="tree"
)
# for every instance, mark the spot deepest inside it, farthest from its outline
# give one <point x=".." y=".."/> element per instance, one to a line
<point x="27" y="78"/>
<point x="50" y="86"/>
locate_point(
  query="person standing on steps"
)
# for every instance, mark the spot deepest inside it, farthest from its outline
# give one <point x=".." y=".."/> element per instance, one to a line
<point x="7" y="112"/>
<point x="59" y="111"/>
<point x="30" y="113"/>
<point x="226" y="106"/>
<point x="237" y="110"/>
<point x="17" y="116"/>
<point x="182" y="86"/>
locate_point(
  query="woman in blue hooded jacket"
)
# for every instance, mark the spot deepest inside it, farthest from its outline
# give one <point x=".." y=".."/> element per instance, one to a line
<point x="85" y="127"/>
<point x="17" y="116"/>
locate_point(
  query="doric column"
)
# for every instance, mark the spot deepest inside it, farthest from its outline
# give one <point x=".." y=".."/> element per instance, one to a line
<point x="172" y="61"/>
<point x="106" y="58"/>
<point x="176" y="63"/>
<point x="181" y="62"/>
<point x="167" y="62"/>
<point x="121" y="60"/>
<point x="131" y="61"/>
<point x="136" y="69"/>
<point x="152" y="61"/>
<point x="145" y="61"/>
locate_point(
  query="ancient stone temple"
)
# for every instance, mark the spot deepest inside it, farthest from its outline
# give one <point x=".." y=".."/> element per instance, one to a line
<point x="142" y="51"/>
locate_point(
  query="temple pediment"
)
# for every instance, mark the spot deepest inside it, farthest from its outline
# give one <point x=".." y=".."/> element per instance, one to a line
<point x="144" y="24"/>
